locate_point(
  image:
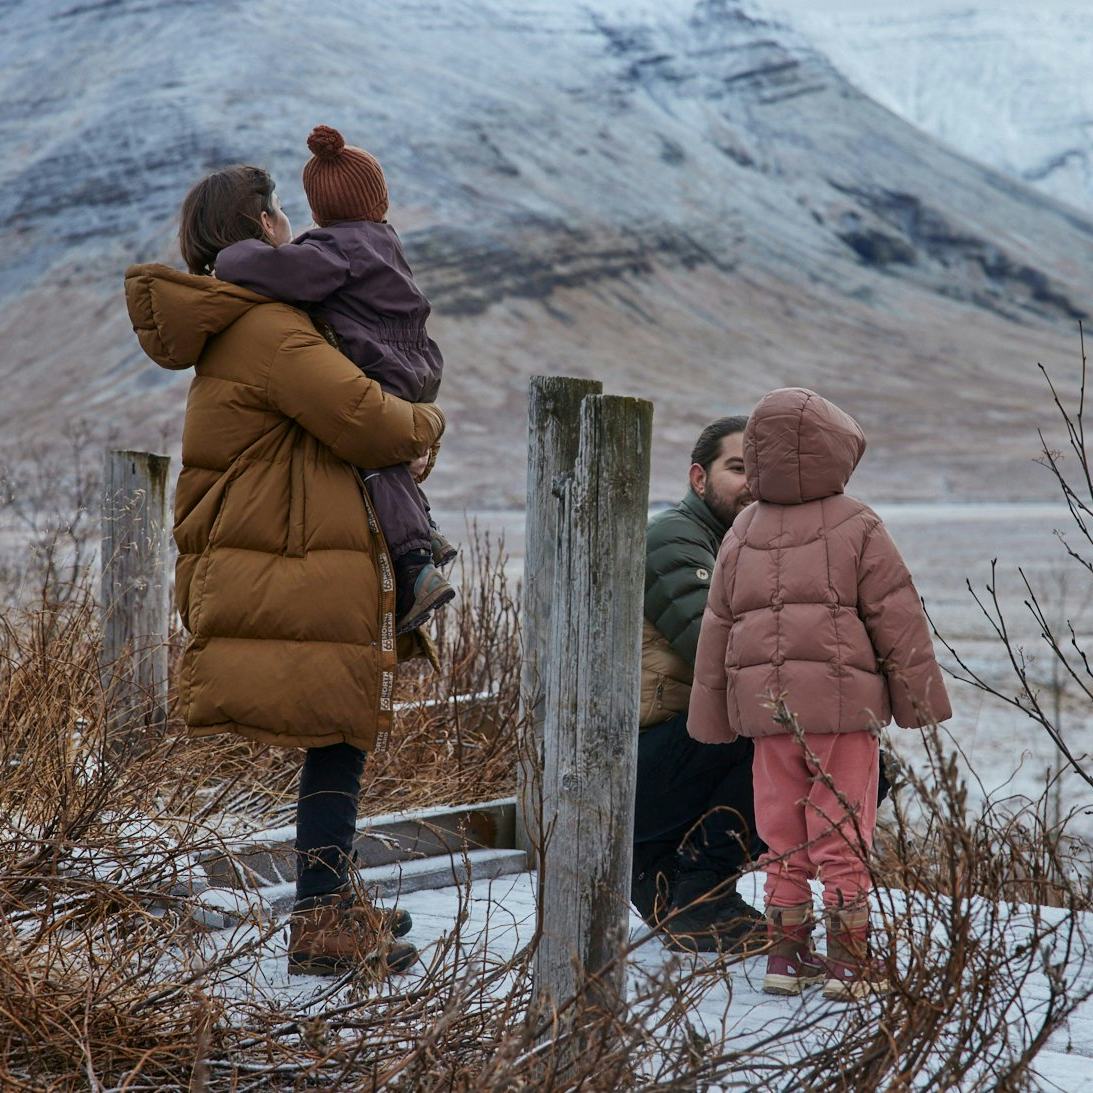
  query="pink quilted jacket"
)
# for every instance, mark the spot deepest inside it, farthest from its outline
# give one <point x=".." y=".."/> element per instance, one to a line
<point x="810" y="602"/>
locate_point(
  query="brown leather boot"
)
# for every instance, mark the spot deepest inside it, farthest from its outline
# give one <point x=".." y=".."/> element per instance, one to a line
<point x="395" y="921"/>
<point x="328" y="940"/>
<point x="791" y="963"/>
<point x="851" y="970"/>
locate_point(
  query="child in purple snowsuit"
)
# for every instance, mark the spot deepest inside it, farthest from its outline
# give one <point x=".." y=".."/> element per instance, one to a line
<point x="351" y="273"/>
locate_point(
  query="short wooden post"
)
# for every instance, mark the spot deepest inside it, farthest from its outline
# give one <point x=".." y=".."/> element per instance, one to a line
<point x="593" y="681"/>
<point x="134" y="609"/>
<point x="554" y="404"/>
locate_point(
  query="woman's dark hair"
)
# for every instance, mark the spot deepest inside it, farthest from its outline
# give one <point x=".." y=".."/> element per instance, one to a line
<point x="222" y="209"/>
<point x="708" y="446"/>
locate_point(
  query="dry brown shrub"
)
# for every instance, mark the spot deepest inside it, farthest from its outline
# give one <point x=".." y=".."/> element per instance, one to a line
<point x="456" y="738"/>
<point x="107" y="979"/>
<point x="110" y="980"/>
<point x="104" y="976"/>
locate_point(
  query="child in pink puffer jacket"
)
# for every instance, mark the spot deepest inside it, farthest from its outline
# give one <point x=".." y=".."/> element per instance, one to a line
<point x="813" y="638"/>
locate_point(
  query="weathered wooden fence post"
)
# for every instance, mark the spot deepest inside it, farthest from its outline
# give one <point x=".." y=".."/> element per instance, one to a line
<point x="135" y="622"/>
<point x="554" y="404"/>
<point x="592" y="677"/>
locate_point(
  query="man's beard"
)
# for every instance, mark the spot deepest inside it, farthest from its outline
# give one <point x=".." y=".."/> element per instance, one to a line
<point x="727" y="509"/>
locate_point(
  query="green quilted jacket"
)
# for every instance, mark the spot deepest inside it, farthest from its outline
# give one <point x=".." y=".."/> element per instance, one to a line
<point x="681" y="547"/>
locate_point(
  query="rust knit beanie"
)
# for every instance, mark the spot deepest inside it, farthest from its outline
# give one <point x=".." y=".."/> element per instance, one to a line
<point x="342" y="182"/>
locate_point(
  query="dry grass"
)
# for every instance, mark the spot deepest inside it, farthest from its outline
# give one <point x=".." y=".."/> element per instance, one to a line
<point x="456" y="739"/>
<point x="106" y="976"/>
<point x="109" y="981"/>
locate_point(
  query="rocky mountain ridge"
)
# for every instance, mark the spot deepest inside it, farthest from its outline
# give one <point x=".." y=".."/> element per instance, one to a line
<point x="687" y="201"/>
<point x="1002" y="81"/>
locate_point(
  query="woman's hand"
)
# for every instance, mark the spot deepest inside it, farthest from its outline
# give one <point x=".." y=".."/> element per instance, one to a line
<point x="421" y="466"/>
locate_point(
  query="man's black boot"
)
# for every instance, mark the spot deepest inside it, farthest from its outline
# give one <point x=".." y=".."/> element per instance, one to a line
<point x="707" y="915"/>
<point x="651" y="886"/>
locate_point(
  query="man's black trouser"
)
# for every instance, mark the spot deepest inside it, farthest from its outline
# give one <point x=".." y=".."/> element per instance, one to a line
<point x="326" y="819"/>
<point x="694" y="814"/>
<point x="693" y="817"/>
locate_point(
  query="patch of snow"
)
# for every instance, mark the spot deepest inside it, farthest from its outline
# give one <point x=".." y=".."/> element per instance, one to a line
<point x="220" y="908"/>
<point x="1004" y="83"/>
<point x="500" y="918"/>
<point x="150" y="850"/>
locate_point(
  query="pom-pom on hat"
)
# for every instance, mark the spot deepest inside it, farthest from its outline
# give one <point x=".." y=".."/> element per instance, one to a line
<point x="342" y="182"/>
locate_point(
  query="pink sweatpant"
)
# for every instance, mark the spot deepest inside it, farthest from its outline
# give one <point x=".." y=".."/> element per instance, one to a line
<point x="805" y="826"/>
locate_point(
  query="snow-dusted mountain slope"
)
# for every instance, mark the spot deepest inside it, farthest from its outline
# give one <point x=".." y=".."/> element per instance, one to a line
<point x="1005" y="82"/>
<point x="681" y="198"/>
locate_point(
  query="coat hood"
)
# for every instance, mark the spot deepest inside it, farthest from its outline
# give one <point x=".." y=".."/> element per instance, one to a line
<point x="175" y="313"/>
<point x="799" y="447"/>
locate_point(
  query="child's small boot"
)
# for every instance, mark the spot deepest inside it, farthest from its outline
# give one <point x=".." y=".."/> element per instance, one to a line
<point x="851" y="970"/>
<point x="444" y="550"/>
<point x="420" y="590"/>
<point x="791" y="963"/>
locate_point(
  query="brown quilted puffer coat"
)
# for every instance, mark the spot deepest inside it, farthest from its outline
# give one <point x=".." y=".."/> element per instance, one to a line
<point x="283" y="579"/>
<point x="810" y="601"/>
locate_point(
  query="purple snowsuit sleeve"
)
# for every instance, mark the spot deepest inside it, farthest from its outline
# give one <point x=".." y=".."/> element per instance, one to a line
<point x="304" y="272"/>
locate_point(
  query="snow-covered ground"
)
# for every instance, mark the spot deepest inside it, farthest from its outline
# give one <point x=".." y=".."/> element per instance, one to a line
<point x="1002" y="81"/>
<point x="501" y="918"/>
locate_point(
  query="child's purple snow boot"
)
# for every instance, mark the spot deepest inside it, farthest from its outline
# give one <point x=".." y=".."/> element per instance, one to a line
<point x="791" y="963"/>
<point x="852" y="972"/>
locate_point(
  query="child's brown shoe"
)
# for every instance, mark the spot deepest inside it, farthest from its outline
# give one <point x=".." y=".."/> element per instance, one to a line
<point x="444" y="550"/>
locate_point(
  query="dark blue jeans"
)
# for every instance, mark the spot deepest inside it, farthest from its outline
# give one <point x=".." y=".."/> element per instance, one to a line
<point x="326" y="819"/>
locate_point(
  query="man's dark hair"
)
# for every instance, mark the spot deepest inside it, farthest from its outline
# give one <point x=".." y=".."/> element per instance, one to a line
<point x="223" y="208"/>
<point x="708" y="446"/>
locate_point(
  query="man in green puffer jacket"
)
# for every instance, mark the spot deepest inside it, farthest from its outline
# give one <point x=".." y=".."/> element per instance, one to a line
<point x="694" y="828"/>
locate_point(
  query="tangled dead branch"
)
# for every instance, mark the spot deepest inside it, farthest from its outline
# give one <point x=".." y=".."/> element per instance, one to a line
<point x="109" y="980"/>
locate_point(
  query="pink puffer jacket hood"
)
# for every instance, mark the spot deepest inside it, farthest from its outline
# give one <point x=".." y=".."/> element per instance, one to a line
<point x="800" y="447"/>
<point x="811" y="608"/>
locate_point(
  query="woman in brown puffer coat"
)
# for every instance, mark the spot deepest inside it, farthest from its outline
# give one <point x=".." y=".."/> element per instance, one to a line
<point x="283" y="579"/>
<point x="812" y="639"/>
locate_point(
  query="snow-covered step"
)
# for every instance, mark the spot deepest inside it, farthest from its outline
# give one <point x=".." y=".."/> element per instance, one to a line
<point x="398" y="878"/>
<point x="265" y="858"/>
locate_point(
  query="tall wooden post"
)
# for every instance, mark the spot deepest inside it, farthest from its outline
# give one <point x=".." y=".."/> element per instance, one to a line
<point x="553" y="433"/>
<point x="134" y="588"/>
<point x="593" y="681"/>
